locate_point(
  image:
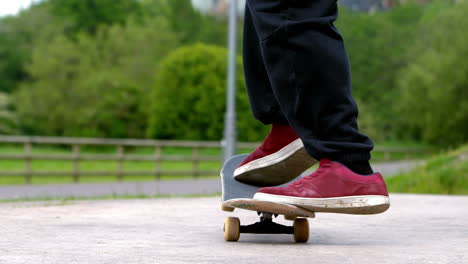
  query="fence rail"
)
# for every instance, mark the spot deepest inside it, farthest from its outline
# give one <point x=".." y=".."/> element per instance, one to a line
<point x="120" y="157"/>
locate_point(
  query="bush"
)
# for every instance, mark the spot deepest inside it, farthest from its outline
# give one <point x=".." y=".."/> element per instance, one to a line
<point x="377" y="46"/>
<point x="443" y="174"/>
<point x="93" y="85"/>
<point x="7" y="116"/>
<point x="434" y="86"/>
<point x="88" y="15"/>
<point x="188" y="100"/>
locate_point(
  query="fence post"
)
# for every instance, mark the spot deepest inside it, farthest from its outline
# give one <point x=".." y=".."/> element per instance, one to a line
<point x="157" y="165"/>
<point x="195" y="161"/>
<point x="28" y="161"/>
<point x="407" y="155"/>
<point x="76" y="163"/>
<point x="120" y="157"/>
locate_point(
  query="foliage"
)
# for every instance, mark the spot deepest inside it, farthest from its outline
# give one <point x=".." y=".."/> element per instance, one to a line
<point x="8" y="119"/>
<point x="188" y="100"/>
<point x="17" y="35"/>
<point x="87" y="68"/>
<point x="194" y="27"/>
<point x="93" y="85"/>
<point x="88" y="15"/>
<point x="444" y="174"/>
<point x="10" y="65"/>
<point x="377" y="48"/>
<point x="402" y="67"/>
<point x="435" y="85"/>
<point x="190" y="27"/>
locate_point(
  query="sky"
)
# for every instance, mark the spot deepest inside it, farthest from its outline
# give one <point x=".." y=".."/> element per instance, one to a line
<point x="11" y="7"/>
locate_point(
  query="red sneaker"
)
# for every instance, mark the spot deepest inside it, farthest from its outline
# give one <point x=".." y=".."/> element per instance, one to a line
<point x="332" y="188"/>
<point x="279" y="159"/>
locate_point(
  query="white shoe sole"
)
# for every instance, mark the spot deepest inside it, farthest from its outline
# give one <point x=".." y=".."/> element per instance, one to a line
<point x="363" y="204"/>
<point x="277" y="168"/>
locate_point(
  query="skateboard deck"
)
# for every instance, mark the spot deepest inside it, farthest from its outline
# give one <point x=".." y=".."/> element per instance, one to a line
<point x="289" y="211"/>
<point x="240" y="195"/>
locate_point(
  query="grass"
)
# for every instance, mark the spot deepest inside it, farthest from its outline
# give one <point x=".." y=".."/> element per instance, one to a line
<point x="65" y="166"/>
<point x="444" y="174"/>
<point x="380" y="156"/>
<point x="41" y="165"/>
<point x="70" y="199"/>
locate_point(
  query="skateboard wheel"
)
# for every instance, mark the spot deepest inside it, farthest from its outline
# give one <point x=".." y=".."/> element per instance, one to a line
<point x="301" y="230"/>
<point x="231" y="229"/>
<point x="226" y="208"/>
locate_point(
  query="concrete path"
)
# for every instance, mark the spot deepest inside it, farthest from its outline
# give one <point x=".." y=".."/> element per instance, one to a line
<point x="178" y="187"/>
<point x="389" y="169"/>
<point x="417" y="229"/>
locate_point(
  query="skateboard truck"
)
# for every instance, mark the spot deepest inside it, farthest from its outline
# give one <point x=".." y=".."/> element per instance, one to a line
<point x="233" y="229"/>
<point x="266" y="226"/>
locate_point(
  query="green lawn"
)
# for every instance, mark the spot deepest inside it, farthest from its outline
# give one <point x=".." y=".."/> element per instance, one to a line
<point x="69" y="200"/>
<point x="65" y="166"/>
<point x="444" y="174"/>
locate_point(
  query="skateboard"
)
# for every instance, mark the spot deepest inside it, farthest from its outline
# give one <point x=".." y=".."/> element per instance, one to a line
<point x="237" y="195"/>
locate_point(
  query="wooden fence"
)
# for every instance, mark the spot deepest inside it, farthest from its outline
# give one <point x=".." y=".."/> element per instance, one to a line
<point x="120" y="156"/>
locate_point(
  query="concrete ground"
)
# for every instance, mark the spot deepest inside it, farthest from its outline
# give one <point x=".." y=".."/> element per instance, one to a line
<point x="153" y="188"/>
<point x="416" y="229"/>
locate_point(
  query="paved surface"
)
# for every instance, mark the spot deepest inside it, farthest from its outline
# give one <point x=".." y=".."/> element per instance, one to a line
<point x="389" y="169"/>
<point x="179" y="187"/>
<point x="417" y="229"/>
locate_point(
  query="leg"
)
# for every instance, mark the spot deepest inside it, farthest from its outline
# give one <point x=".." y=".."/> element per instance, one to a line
<point x="281" y="157"/>
<point x="263" y="103"/>
<point x="309" y="71"/>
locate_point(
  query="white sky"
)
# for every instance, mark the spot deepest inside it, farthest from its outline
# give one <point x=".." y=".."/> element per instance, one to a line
<point x="11" y="7"/>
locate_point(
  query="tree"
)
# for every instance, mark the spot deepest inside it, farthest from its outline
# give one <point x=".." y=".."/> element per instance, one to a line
<point x="378" y="49"/>
<point x="8" y="119"/>
<point x="88" y="15"/>
<point x="434" y="86"/>
<point x="17" y="37"/>
<point x="190" y="25"/>
<point x="11" y="65"/>
<point x="93" y="85"/>
<point x="188" y="100"/>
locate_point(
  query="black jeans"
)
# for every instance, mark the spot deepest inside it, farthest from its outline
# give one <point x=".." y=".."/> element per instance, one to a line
<point x="297" y="72"/>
